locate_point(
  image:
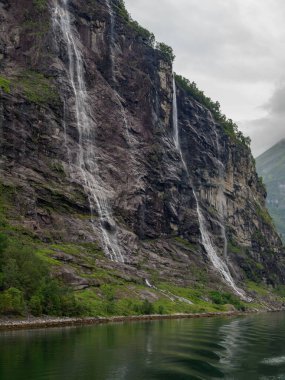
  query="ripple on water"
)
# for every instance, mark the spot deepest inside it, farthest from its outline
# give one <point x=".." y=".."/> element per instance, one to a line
<point x="274" y="361"/>
<point x="232" y="349"/>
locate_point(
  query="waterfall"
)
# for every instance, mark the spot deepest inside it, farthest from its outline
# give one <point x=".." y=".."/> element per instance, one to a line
<point x="218" y="264"/>
<point x="175" y="121"/>
<point x="113" y="76"/>
<point x="221" y="204"/>
<point x="168" y="294"/>
<point x="83" y="163"/>
<point x="176" y="137"/>
<point x="112" y="41"/>
<point x="221" y="199"/>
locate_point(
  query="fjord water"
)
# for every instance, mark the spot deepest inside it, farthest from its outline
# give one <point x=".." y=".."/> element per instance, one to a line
<point x="251" y="347"/>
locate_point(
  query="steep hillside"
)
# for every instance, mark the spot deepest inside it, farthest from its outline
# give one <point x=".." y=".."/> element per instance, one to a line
<point x="117" y="176"/>
<point x="271" y="166"/>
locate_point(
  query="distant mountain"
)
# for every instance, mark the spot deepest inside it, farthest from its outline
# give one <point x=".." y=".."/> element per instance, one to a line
<point x="271" y="166"/>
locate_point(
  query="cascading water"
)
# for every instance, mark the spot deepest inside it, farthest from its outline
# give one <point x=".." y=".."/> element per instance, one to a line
<point x="221" y="205"/>
<point x="112" y="42"/>
<point x="218" y="264"/>
<point x="113" y="76"/>
<point x="168" y="294"/>
<point x="83" y="163"/>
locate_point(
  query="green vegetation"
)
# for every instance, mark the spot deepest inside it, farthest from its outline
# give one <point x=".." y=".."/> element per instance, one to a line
<point x="263" y="214"/>
<point x="259" y="237"/>
<point x="146" y="35"/>
<point x="37" y="88"/>
<point x="257" y="288"/>
<point x="186" y="243"/>
<point x="221" y="298"/>
<point x="232" y="247"/>
<point x="40" y="5"/>
<point x="280" y="291"/>
<point x="254" y="270"/>
<point x="261" y="184"/>
<point x="271" y="168"/>
<point x="122" y="11"/>
<point x="228" y="125"/>
<point x="5" y="84"/>
<point x="125" y="299"/>
<point x="117" y="300"/>
<point x="12" y="302"/>
<point x="36" y="24"/>
<point x="33" y="85"/>
<point x="26" y="285"/>
<point x="58" y="167"/>
<point x="142" y="32"/>
<point x="166" y="50"/>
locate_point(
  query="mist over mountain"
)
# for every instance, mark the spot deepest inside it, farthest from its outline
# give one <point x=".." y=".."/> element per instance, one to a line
<point x="271" y="166"/>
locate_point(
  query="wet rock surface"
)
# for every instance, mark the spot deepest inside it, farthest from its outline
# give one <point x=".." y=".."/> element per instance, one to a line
<point x="139" y="169"/>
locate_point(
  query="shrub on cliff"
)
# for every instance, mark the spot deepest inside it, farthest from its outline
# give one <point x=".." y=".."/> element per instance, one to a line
<point x="145" y="34"/>
<point x="228" y="125"/>
<point x="166" y="50"/>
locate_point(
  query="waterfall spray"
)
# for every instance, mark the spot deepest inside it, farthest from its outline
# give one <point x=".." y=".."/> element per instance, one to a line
<point x="84" y="164"/>
<point x="218" y="264"/>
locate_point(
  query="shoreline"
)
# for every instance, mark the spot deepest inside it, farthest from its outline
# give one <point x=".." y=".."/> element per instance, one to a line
<point x="49" y="322"/>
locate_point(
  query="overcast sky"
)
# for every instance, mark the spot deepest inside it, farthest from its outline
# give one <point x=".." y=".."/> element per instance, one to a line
<point x="234" y="50"/>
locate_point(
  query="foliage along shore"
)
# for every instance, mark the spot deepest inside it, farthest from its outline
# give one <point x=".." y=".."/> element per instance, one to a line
<point x="49" y="322"/>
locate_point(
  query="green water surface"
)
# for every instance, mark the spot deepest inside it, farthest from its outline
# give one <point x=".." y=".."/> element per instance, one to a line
<point x="251" y="347"/>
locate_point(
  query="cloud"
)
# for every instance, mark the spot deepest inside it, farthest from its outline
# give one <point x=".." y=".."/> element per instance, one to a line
<point x="270" y="129"/>
<point x="234" y="51"/>
<point x="276" y="104"/>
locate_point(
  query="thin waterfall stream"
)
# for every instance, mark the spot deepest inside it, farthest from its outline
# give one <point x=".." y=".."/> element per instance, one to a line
<point x="112" y="42"/>
<point x="217" y="262"/>
<point x="84" y="163"/>
<point x="113" y="75"/>
<point x="221" y="205"/>
<point x="168" y="294"/>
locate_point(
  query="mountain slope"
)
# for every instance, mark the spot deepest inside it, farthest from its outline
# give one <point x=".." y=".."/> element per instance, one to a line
<point x="94" y="182"/>
<point x="271" y="166"/>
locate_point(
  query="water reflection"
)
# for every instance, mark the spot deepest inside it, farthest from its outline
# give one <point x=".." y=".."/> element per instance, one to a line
<point x="222" y="348"/>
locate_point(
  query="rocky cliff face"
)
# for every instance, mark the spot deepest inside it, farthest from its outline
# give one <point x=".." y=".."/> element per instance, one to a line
<point x="121" y="180"/>
<point x="270" y="166"/>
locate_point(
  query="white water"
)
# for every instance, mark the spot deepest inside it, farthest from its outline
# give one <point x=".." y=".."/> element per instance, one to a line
<point x="168" y="294"/>
<point x="84" y="163"/>
<point x="221" y="199"/>
<point x="113" y="59"/>
<point x="218" y="264"/>
<point x="112" y="41"/>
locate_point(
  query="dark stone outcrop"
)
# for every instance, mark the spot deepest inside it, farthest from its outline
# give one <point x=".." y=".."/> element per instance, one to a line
<point x="146" y="184"/>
